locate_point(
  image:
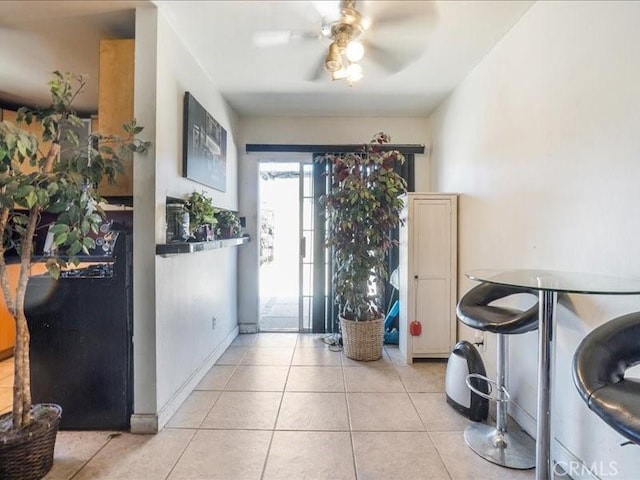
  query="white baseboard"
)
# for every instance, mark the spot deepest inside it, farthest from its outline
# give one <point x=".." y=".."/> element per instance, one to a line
<point x="150" y="423"/>
<point x="248" y="328"/>
<point x="522" y="417"/>
<point x="575" y="468"/>
<point x="561" y="455"/>
<point x="144" y="423"/>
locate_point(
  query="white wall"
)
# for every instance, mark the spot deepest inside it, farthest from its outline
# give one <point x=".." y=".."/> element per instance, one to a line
<point x="541" y="140"/>
<point x="176" y="306"/>
<point x="144" y="177"/>
<point x="305" y="131"/>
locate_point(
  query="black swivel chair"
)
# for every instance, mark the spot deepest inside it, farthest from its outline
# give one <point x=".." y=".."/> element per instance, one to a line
<point x="599" y="364"/>
<point x="496" y="444"/>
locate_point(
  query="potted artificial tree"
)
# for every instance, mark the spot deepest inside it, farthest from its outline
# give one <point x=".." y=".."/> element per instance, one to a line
<point x="202" y="216"/>
<point x="63" y="181"/>
<point x="363" y="206"/>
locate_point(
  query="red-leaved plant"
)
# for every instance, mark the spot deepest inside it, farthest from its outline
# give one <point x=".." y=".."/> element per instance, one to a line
<point x="363" y="207"/>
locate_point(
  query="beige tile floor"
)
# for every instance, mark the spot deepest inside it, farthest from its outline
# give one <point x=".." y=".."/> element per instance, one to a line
<point x="283" y="406"/>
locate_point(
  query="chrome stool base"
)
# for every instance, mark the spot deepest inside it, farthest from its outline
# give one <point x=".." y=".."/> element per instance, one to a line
<point x="509" y="449"/>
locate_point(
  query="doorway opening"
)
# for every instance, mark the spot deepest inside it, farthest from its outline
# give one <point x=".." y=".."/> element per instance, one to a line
<point x="286" y="239"/>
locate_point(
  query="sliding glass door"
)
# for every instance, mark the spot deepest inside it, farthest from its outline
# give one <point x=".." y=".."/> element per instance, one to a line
<point x="296" y="292"/>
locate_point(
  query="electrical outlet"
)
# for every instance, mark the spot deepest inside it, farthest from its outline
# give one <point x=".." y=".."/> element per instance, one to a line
<point x="213" y="323"/>
<point x="479" y="341"/>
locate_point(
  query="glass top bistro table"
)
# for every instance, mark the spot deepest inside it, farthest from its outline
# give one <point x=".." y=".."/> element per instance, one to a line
<point x="549" y="283"/>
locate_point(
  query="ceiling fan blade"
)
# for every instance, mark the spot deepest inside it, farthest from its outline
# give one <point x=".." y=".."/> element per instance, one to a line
<point x="318" y="71"/>
<point x="384" y="57"/>
<point x="396" y="17"/>
<point x="271" y="38"/>
<point x="276" y="38"/>
<point x="424" y="13"/>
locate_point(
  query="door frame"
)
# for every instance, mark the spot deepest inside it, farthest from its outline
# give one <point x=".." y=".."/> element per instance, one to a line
<point x="300" y="162"/>
<point x="323" y="316"/>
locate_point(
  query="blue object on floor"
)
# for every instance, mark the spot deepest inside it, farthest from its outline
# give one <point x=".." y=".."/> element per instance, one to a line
<point x="391" y="335"/>
<point x="392" y="338"/>
<point x="393" y="313"/>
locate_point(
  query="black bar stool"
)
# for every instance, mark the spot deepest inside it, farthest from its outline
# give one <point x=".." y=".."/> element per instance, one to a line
<point x="496" y="444"/>
<point x="598" y="372"/>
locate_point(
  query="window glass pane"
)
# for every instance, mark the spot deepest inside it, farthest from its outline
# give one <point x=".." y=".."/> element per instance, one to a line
<point x="307" y="286"/>
<point x="306" y="313"/>
<point x="307" y="181"/>
<point x="307" y="213"/>
<point x="309" y="236"/>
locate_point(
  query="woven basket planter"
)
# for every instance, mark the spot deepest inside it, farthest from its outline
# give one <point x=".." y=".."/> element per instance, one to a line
<point x="362" y="340"/>
<point x="28" y="453"/>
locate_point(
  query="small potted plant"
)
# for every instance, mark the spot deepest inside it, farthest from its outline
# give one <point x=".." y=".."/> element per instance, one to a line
<point x="228" y="224"/>
<point x="202" y="216"/>
<point x="363" y="206"/>
<point x="64" y="183"/>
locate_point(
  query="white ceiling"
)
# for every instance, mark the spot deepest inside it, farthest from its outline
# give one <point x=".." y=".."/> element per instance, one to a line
<point x="437" y="43"/>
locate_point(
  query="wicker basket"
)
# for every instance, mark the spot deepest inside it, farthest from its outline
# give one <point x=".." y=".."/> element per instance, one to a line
<point x="28" y="454"/>
<point x="362" y="340"/>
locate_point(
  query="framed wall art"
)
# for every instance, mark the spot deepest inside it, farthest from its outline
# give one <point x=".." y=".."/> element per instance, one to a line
<point x="205" y="146"/>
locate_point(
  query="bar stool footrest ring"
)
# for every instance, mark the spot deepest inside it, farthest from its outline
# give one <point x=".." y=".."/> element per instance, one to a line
<point x="493" y="385"/>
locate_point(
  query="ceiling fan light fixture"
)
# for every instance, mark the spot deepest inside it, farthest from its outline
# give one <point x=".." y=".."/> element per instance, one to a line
<point x="340" y="74"/>
<point x="345" y="51"/>
<point x="355" y="51"/>
<point x="354" y="72"/>
<point x="333" y="60"/>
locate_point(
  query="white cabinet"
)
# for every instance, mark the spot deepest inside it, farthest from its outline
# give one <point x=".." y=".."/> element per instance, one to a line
<point x="428" y="274"/>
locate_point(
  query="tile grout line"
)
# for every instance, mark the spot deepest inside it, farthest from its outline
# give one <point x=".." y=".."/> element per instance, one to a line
<point x="343" y="430"/>
<point x="175" y="464"/>
<point x="353" y="456"/>
<point x="77" y="472"/>
<point x="199" y="427"/>
<point x="204" y="417"/>
<point x="444" y="464"/>
<point x="275" y="422"/>
<point x="417" y="411"/>
<point x="346" y="399"/>
<point x="428" y="432"/>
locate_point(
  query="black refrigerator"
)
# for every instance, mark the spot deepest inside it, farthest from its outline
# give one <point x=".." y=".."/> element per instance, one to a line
<point x="81" y="337"/>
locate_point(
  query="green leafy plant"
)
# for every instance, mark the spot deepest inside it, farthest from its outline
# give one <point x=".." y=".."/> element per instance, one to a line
<point x="362" y="207"/>
<point x="63" y="182"/>
<point x="201" y="211"/>
<point x="228" y="224"/>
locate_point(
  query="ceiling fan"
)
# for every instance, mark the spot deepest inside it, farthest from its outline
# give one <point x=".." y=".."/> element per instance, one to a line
<point x="346" y="30"/>
<point x="345" y="51"/>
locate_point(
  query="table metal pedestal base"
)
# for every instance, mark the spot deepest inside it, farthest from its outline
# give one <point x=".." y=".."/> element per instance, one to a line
<point x="519" y="450"/>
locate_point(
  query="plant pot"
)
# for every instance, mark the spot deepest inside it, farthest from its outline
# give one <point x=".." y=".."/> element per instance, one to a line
<point x="226" y="232"/>
<point x="204" y="233"/>
<point x="27" y="454"/>
<point x="362" y="340"/>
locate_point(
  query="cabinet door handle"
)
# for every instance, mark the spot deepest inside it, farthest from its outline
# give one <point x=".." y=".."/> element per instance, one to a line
<point x="303" y="247"/>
